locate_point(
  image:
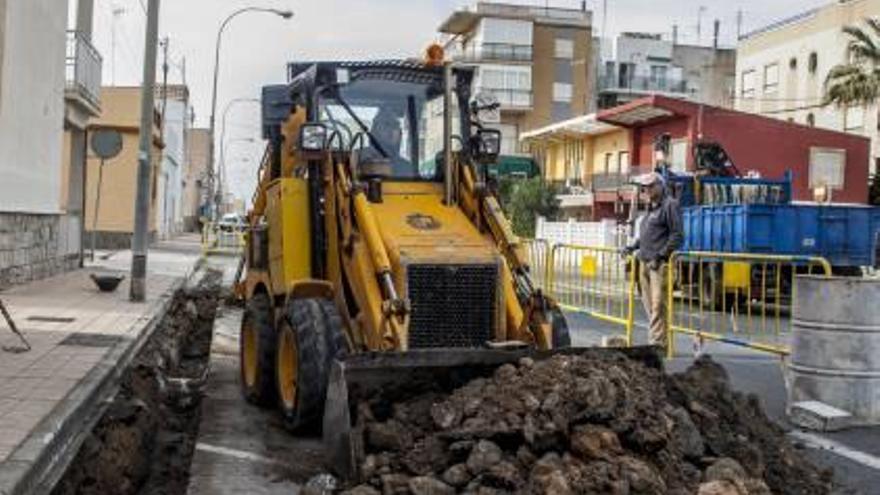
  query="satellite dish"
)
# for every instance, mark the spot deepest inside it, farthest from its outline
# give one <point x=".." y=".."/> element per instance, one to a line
<point x="106" y="143"/>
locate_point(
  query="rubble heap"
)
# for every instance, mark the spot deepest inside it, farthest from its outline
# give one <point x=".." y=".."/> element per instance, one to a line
<point x="597" y="423"/>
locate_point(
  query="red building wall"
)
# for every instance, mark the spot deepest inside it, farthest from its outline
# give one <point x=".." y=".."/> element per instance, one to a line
<point x="763" y="144"/>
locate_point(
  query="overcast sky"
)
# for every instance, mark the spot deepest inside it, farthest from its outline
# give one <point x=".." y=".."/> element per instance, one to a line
<point x="257" y="46"/>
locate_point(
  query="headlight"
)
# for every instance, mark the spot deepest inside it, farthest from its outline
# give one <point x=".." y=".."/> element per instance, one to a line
<point x="313" y="137"/>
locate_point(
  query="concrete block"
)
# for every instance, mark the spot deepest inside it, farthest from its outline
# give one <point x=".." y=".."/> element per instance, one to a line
<point x="815" y="415"/>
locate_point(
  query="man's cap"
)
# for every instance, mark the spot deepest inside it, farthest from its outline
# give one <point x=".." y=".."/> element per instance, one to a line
<point x="650" y="179"/>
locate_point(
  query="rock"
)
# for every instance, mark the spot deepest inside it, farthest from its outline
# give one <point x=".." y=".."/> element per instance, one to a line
<point x="719" y="487"/>
<point x="395" y="484"/>
<point x="457" y="475"/>
<point x="369" y="467"/>
<point x="505" y="372"/>
<point x="725" y="469"/>
<point x="390" y="435"/>
<point x="445" y="415"/>
<point x="428" y="485"/>
<point x="484" y="455"/>
<point x="526" y="363"/>
<point x="362" y="490"/>
<point x="503" y="475"/>
<point x="459" y="451"/>
<point x="754" y="486"/>
<point x="594" y="442"/>
<point x="685" y="434"/>
<point x="640" y="476"/>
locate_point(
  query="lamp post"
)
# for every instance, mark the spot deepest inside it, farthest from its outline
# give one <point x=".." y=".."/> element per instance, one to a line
<point x="285" y="14"/>
<point x="222" y="161"/>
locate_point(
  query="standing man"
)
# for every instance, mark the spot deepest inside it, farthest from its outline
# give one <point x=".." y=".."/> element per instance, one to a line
<point x="660" y="234"/>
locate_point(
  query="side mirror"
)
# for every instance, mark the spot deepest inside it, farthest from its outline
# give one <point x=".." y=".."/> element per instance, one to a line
<point x="486" y="108"/>
<point x="486" y="146"/>
<point x="312" y="138"/>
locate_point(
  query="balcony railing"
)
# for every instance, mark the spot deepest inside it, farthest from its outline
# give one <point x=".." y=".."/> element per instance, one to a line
<point x="83" y="68"/>
<point x="496" y="51"/>
<point x="642" y="84"/>
<point x="512" y="98"/>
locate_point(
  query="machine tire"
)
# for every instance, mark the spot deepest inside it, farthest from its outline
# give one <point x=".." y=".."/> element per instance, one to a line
<point x="309" y="339"/>
<point x="261" y="390"/>
<point x="561" y="335"/>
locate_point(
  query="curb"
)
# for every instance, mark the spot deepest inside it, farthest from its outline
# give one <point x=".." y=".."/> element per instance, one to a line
<point x="41" y="459"/>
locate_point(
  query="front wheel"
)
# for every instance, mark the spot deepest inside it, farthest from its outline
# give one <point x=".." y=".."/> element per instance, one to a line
<point x="559" y="324"/>
<point x="257" y="352"/>
<point x="310" y="337"/>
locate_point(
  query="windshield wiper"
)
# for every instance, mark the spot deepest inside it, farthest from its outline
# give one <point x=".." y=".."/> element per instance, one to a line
<point x="373" y="140"/>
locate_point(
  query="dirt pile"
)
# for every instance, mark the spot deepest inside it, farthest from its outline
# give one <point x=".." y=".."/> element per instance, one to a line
<point x="144" y="442"/>
<point x="596" y="423"/>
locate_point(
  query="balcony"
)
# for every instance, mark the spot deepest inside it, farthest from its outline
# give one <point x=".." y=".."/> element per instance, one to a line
<point x="498" y="52"/>
<point x="641" y="84"/>
<point x="83" y="66"/>
<point x="512" y="99"/>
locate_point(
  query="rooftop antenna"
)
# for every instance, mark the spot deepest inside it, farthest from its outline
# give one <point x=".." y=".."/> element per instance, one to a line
<point x="739" y="24"/>
<point x="700" y="23"/>
<point x="117" y="11"/>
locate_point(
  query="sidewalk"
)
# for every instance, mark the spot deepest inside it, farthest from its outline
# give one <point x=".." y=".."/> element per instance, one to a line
<point x="81" y="339"/>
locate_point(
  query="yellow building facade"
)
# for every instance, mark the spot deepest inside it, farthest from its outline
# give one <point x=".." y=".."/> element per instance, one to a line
<point x="115" y="215"/>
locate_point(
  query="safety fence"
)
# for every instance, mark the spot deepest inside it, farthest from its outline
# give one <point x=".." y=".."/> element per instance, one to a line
<point x="595" y="281"/>
<point x="738" y="299"/>
<point x="222" y="239"/>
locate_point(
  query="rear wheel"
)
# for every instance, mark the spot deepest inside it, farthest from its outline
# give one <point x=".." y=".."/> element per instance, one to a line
<point x="257" y="352"/>
<point x="310" y="338"/>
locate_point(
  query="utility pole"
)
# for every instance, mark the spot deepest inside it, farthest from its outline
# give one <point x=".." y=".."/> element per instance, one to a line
<point x="138" y="289"/>
<point x="164" y="44"/>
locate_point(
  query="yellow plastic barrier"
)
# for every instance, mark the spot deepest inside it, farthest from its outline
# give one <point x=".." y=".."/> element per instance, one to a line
<point x="217" y="239"/>
<point x="596" y="281"/>
<point x="737" y="299"/>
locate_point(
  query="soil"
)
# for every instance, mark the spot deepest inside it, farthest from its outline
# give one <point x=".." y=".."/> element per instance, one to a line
<point x="598" y="423"/>
<point x="144" y="442"/>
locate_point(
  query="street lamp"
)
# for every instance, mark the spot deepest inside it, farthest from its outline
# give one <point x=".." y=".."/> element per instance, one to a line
<point x="285" y="14"/>
<point x="222" y="163"/>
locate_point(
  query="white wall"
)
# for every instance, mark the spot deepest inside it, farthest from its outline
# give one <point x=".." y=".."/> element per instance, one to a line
<point x="799" y="92"/>
<point x="169" y="208"/>
<point x="32" y="105"/>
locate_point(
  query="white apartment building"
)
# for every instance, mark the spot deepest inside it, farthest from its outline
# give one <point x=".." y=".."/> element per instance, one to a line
<point x="642" y="64"/>
<point x="170" y="210"/>
<point x="782" y="68"/>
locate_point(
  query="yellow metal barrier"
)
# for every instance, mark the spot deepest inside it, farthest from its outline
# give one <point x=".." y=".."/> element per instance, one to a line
<point x="538" y="252"/>
<point x="596" y="281"/>
<point x="738" y="299"/>
<point x="221" y="239"/>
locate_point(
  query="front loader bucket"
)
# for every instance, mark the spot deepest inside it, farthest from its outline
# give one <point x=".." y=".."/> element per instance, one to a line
<point x="394" y="376"/>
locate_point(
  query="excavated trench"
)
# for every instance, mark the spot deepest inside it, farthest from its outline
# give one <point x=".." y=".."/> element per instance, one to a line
<point x="144" y="442"/>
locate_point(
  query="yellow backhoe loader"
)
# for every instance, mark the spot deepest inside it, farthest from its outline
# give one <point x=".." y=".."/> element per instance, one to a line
<point x="376" y="249"/>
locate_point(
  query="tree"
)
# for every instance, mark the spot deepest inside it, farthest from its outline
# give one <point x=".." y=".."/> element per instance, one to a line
<point x="857" y="83"/>
<point x="524" y="200"/>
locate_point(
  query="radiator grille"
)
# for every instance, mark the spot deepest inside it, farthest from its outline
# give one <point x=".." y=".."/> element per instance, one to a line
<point x="452" y="305"/>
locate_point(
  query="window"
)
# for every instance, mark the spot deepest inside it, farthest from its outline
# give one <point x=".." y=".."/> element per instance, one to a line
<point x="792" y="63"/>
<point x="562" y="92"/>
<point x="813" y="63"/>
<point x="609" y="157"/>
<point x="771" y="78"/>
<point x="658" y="76"/>
<point x="678" y="155"/>
<point x="564" y="48"/>
<point x="854" y="118"/>
<point x="623" y="162"/>
<point x="827" y="167"/>
<point x="748" y="84"/>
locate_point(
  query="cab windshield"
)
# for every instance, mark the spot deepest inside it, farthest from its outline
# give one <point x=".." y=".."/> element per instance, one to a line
<point x="399" y="121"/>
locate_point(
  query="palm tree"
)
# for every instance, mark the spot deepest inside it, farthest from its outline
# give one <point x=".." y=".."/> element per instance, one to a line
<point x="857" y="83"/>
